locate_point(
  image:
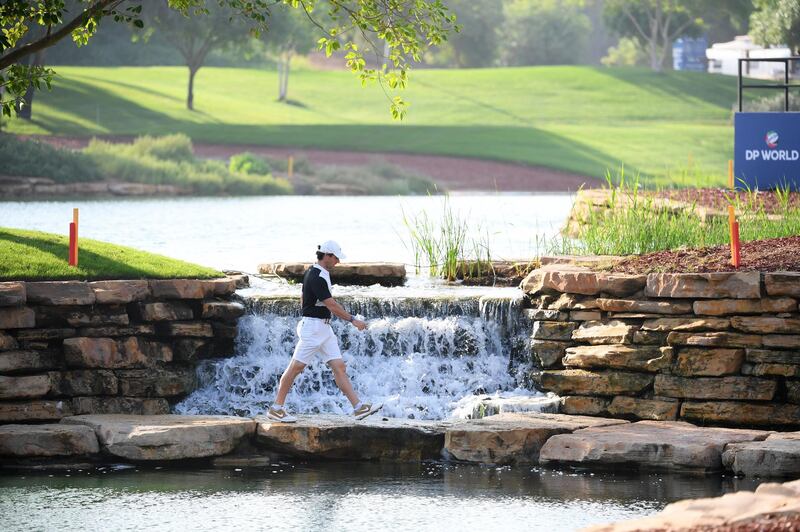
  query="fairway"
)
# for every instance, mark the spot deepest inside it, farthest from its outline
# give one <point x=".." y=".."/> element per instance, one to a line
<point x="577" y="119"/>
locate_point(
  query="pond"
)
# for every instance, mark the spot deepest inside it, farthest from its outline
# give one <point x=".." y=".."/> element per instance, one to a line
<point x="241" y="232"/>
<point x="348" y="497"/>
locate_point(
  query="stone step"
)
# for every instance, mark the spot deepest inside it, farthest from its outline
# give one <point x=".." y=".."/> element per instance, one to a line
<point x="166" y="437"/>
<point x="343" y="437"/>
<point x="777" y="456"/>
<point x="352" y="273"/>
<point x="512" y="437"/>
<point x="668" y="445"/>
<point x="31" y="441"/>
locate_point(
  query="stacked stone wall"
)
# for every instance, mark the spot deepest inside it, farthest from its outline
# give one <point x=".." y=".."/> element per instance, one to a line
<point x="107" y="347"/>
<point x="713" y="348"/>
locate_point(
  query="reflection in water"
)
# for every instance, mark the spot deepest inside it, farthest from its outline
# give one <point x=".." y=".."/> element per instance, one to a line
<point x="341" y="496"/>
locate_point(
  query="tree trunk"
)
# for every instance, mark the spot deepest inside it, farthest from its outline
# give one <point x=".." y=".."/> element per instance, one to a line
<point x="25" y="107"/>
<point x="284" y="67"/>
<point x="190" y="96"/>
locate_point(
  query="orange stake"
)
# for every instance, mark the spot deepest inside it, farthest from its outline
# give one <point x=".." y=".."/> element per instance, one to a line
<point x="75" y="221"/>
<point x="731" y="222"/>
<point x="730" y="174"/>
<point x="736" y="246"/>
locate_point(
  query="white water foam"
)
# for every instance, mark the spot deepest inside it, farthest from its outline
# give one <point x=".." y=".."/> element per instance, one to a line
<point x="420" y="367"/>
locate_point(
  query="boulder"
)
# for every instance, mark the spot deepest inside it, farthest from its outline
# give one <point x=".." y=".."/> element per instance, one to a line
<point x="548" y="353"/>
<point x="767" y="356"/>
<point x="641" y="337"/>
<point x="666" y="445"/>
<point x="7" y="342"/>
<point x="17" y="318"/>
<point x="782" y="284"/>
<point x="699" y="362"/>
<point x="354" y="273"/>
<point x="585" y="315"/>
<point x="60" y="293"/>
<point x="191" y="349"/>
<point x="196" y="329"/>
<point x="42" y="334"/>
<point x="719" y="285"/>
<point x="156" y="382"/>
<point x="582" y="405"/>
<point x="84" y="382"/>
<point x="512" y="438"/>
<point x="765" y="325"/>
<point x="140" y="329"/>
<point x="541" y="314"/>
<point x="723" y="388"/>
<point x="638" y="408"/>
<point x="777" y="456"/>
<point x="35" y="441"/>
<point x="618" y="356"/>
<point x="97" y="316"/>
<point x="741" y="414"/>
<point x="228" y="285"/>
<point x="793" y="391"/>
<point x="120" y="292"/>
<point x="29" y="386"/>
<point x="27" y="361"/>
<point x="649" y="307"/>
<point x="222" y="310"/>
<point x="771" y="507"/>
<point x="162" y="311"/>
<point x="621" y="285"/>
<point x="37" y="410"/>
<point x="167" y="437"/>
<point x="714" y="339"/>
<point x="181" y="288"/>
<point x="119" y="405"/>
<point x="12" y="294"/>
<point x="343" y="437"/>
<point x="686" y="324"/>
<point x="776" y="370"/>
<point x="783" y="341"/>
<point x="598" y="332"/>
<point x="723" y="307"/>
<point x="110" y="353"/>
<point x="547" y="330"/>
<point x="572" y="281"/>
<point x="573" y="302"/>
<point x="582" y="382"/>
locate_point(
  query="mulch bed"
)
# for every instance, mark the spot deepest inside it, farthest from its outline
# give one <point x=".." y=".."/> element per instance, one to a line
<point x="716" y="198"/>
<point x="769" y="255"/>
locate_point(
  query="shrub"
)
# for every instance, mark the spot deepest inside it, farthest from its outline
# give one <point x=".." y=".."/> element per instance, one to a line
<point x="248" y="163"/>
<point x="32" y="158"/>
<point x="176" y="147"/>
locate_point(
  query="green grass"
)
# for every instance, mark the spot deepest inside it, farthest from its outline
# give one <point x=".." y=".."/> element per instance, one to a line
<point x="577" y="119"/>
<point x="34" y="255"/>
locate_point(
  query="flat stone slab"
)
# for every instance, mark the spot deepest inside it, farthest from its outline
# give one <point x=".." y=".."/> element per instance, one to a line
<point x="166" y="437"/>
<point x="744" y="510"/>
<point x="33" y="441"/>
<point x="670" y="445"/>
<point x="343" y="437"/>
<point x="777" y="456"/>
<point x="353" y="273"/>
<point x="513" y="437"/>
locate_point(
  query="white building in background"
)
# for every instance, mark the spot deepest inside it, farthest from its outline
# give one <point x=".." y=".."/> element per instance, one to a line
<point x="723" y="58"/>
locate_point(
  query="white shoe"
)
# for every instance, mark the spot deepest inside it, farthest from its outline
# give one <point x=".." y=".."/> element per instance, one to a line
<point x="279" y="414"/>
<point x="366" y="410"/>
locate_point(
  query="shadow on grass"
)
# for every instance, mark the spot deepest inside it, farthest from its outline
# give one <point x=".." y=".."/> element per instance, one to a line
<point x="92" y="265"/>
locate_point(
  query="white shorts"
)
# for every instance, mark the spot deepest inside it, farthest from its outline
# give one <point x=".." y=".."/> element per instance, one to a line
<point x="315" y="338"/>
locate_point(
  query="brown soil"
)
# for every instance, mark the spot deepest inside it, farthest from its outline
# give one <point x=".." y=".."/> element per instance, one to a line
<point x="716" y="198"/>
<point x="451" y="173"/>
<point x="769" y="255"/>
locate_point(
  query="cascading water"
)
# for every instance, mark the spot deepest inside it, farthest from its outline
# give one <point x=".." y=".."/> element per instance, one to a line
<point x="423" y="358"/>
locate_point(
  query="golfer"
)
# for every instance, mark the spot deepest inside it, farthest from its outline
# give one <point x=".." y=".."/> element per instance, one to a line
<point x="316" y="337"/>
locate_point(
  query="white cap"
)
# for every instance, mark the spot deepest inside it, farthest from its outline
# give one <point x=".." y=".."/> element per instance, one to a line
<point x="333" y="248"/>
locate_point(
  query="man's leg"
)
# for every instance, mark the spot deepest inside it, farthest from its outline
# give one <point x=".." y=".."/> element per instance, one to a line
<point x="294" y="369"/>
<point x="339" y="370"/>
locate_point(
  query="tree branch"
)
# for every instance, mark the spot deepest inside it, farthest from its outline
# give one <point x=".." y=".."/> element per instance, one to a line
<point x="49" y="40"/>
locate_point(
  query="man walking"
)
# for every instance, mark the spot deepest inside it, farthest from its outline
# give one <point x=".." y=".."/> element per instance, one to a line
<point x="316" y="336"/>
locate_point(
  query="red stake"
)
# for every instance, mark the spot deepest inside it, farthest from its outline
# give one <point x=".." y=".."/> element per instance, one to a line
<point x="737" y="247"/>
<point x="73" y="244"/>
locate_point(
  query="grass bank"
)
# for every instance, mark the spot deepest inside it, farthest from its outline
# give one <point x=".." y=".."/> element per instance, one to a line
<point x="577" y="119"/>
<point x="34" y="255"/>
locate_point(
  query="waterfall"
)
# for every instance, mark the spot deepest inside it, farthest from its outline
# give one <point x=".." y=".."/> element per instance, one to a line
<point x="423" y="358"/>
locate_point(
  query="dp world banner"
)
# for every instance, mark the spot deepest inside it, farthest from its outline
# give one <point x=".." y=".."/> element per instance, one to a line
<point x="767" y="150"/>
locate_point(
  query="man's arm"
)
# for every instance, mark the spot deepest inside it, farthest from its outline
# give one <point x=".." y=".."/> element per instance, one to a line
<point x="339" y="311"/>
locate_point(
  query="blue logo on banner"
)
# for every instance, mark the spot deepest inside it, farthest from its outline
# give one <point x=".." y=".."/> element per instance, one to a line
<point x="767" y="150"/>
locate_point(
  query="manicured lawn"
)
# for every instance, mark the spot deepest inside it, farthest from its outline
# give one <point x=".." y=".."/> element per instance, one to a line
<point x="578" y="119"/>
<point x="34" y="255"/>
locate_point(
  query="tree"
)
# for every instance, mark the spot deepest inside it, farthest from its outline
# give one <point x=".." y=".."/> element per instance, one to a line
<point x="476" y="44"/>
<point x="654" y="24"/>
<point x="195" y="37"/>
<point x="406" y="26"/>
<point x="289" y="34"/>
<point x="776" y="22"/>
<point x="544" y="32"/>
